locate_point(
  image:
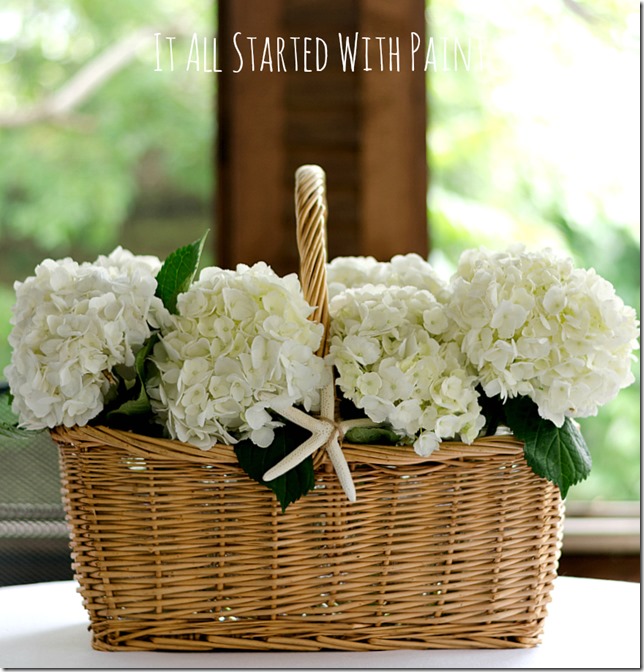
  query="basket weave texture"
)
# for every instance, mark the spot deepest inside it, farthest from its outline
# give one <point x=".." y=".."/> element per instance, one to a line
<point x="176" y="548"/>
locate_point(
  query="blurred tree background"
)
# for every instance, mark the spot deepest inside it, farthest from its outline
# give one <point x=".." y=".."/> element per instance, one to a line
<point x="536" y="141"/>
<point x="129" y="162"/>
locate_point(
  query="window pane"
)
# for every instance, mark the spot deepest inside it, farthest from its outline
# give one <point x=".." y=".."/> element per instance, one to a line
<point x="534" y="137"/>
<point x="101" y="143"/>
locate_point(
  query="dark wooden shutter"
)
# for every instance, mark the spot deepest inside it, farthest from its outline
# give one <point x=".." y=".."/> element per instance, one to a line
<point x="365" y="128"/>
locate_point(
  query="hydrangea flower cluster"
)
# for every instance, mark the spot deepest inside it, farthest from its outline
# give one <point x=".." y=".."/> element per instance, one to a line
<point x="122" y="263"/>
<point x="533" y="325"/>
<point x="396" y="361"/>
<point x="240" y="345"/>
<point x="403" y="270"/>
<point x="410" y="349"/>
<point x="72" y="324"/>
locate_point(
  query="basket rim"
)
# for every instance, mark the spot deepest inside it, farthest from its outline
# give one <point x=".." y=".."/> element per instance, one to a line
<point x="97" y="436"/>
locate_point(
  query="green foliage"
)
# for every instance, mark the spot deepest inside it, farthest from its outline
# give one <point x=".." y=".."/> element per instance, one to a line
<point x="255" y="461"/>
<point x="177" y="273"/>
<point x="373" y="436"/>
<point x="132" y="399"/>
<point x="128" y="404"/>
<point x="7" y="299"/>
<point x="558" y="454"/>
<point x="133" y="158"/>
<point x="78" y="177"/>
<point x="9" y="423"/>
<point x="516" y="156"/>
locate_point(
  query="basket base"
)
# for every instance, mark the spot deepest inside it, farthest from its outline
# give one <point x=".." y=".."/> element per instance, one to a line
<point x="142" y="637"/>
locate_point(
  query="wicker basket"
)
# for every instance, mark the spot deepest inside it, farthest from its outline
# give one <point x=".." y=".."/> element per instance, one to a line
<point x="175" y="548"/>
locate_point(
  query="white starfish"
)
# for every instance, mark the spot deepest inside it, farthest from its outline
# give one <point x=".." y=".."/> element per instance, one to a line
<point x="325" y="432"/>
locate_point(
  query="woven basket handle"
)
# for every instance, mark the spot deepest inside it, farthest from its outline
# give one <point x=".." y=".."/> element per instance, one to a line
<point x="311" y="212"/>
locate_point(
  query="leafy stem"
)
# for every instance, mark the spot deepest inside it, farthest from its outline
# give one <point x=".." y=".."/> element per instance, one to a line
<point x="558" y="454"/>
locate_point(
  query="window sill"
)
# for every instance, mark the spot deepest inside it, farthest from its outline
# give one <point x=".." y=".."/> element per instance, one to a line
<point x="602" y="528"/>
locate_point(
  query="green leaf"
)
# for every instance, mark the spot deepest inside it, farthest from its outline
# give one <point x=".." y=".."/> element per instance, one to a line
<point x="6" y="399"/>
<point x="138" y="406"/>
<point x="137" y="402"/>
<point x="9" y="423"/>
<point x="558" y="454"/>
<point x="374" y="436"/>
<point x="256" y="461"/>
<point x="16" y="433"/>
<point x="177" y="273"/>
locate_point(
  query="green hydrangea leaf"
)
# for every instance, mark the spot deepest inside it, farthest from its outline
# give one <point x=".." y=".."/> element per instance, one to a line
<point x="256" y="461"/>
<point x="558" y="454"/>
<point x="177" y="273"/>
<point x="138" y="406"/>
<point x="9" y="423"/>
<point x="16" y="433"/>
<point x="137" y="401"/>
<point x="373" y="436"/>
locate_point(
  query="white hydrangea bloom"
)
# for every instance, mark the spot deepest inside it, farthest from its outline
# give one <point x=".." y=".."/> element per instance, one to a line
<point x="72" y="324"/>
<point x="121" y="261"/>
<point x="240" y="344"/>
<point x="533" y="325"/>
<point x="403" y="270"/>
<point x="126" y="267"/>
<point x="397" y="362"/>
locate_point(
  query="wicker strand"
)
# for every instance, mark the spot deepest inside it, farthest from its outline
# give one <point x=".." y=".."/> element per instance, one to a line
<point x="311" y="212"/>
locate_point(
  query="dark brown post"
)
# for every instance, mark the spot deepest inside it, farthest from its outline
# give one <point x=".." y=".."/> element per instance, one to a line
<point x="365" y="127"/>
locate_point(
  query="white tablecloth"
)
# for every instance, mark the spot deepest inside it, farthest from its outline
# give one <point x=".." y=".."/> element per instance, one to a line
<point x="591" y="624"/>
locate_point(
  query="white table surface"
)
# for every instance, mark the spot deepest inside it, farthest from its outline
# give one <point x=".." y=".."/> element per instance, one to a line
<point x="590" y="624"/>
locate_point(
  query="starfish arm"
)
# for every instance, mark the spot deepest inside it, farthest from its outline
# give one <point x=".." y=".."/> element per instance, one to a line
<point x="327" y="402"/>
<point x="296" y="456"/>
<point x="324" y="433"/>
<point x="341" y="467"/>
<point x="299" y="418"/>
